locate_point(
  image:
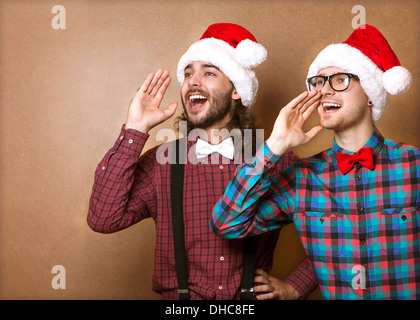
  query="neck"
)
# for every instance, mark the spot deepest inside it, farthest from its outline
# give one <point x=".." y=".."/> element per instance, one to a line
<point x="218" y="131"/>
<point x="352" y="139"/>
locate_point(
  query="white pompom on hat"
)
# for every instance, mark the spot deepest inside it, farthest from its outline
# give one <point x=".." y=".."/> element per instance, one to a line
<point x="367" y="54"/>
<point x="232" y="49"/>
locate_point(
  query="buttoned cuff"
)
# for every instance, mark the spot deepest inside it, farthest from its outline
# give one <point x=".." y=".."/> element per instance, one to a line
<point x="265" y="159"/>
<point x="131" y="141"/>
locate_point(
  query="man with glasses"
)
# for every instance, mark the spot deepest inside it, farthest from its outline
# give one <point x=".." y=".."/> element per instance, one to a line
<point x="356" y="206"/>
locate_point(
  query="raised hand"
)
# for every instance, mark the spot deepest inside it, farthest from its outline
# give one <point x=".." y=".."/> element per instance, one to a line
<point x="288" y="128"/>
<point x="144" y="112"/>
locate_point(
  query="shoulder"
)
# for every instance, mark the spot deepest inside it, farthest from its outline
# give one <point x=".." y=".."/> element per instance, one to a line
<point x="396" y="147"/>
<point x="401" y="154"/>
<point x="400" y="145"/>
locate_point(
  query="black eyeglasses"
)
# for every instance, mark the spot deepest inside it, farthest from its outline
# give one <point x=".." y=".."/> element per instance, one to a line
<point x="338" y="81"/>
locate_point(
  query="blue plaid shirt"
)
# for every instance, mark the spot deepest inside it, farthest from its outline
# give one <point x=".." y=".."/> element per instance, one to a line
<point x="360" y="230"/>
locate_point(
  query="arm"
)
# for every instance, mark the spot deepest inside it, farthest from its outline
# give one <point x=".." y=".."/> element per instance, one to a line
<point x="123" y="192"/>
<point x="303" y="279"/>
<point x="251" y="204"/>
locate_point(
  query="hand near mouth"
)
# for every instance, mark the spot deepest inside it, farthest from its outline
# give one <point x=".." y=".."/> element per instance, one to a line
<point x="144" y="112"/>
<point x="288" y="128"/>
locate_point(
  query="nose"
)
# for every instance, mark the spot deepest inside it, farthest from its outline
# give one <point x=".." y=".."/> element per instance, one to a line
<point x="194" y="80"/>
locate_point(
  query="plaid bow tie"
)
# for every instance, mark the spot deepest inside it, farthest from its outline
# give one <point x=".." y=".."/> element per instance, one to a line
<point x="346" y="161"/>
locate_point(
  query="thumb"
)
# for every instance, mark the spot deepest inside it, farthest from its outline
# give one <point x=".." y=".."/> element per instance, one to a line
<point x="313" y="132"/>
<point x="169" y="111"/>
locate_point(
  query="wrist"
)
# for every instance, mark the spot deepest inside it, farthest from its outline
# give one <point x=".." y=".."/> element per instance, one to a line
<point x="277" y="146"/>
<point x="137" y="126"/>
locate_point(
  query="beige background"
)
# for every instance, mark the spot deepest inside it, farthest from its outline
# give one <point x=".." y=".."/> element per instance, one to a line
<point x="64" y="96"/>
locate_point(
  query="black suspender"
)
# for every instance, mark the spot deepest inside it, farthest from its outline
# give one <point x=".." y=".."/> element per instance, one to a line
<point x="250" y="244"/>
<point x="248" y="267"/>
<point x="177" y="183"/>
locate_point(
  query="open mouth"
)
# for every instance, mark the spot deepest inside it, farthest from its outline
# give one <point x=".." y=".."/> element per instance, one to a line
<point x="330" y="107"/>
<point x="196" y="101"/>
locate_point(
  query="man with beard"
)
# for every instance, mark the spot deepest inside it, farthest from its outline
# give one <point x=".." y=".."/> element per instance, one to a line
<point x="218" y="87"/>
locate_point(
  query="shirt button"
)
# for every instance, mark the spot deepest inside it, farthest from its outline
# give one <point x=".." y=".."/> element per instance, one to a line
<point x="269" y="163"/>
<point x="103" y="168"/>
<point x="220" y="288"/>
<point x="362" y="241"/>
<point x="360" y="209"/>
<point x="404" y="217"/>
<point x="221" y="167"/>
<point x="122" y="137"/>
<point x="358" y="177"/>
<point x="130" y="141"/>
<point x="222" y="258"/>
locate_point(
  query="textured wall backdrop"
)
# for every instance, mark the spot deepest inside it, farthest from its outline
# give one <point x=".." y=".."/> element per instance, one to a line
<point x="65" y="93"/>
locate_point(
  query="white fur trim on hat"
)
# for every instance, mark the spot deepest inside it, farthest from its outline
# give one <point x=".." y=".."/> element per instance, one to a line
<point x="354" y="61"/>
<point x="236" y="64"/>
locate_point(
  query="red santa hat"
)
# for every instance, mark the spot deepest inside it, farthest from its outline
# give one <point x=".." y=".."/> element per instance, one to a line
<point x="232" y="49"/>
<point x="367" y="54"/>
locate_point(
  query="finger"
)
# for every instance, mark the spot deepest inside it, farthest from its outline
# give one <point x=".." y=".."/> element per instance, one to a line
<point x="155" y="79"/>
<point x="159" y="83"/>
<point x="260" y="279"/>
<point x="163" y="88"/>
<point x="295" y="102"/>
<point x="307" y="111"/>
<point x="312" y="97"/>
<point x="146" y="83"/>
<point x="263" y="288"/>
<point x="260" y="272"/>
<point x="266" y="296"/>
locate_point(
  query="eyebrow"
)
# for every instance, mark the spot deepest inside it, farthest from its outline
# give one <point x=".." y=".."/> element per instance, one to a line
<point x="204" y="65"/>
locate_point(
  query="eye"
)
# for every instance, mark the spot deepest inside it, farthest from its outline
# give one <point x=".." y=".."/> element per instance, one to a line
<point x="209" y="73"/>
<point x="317" y="81"/>
<point x="187" y="74"/>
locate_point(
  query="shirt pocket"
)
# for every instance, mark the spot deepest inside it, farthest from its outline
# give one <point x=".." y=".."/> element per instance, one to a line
<point x="322" y="234"/>
<point x="399" y="231"/>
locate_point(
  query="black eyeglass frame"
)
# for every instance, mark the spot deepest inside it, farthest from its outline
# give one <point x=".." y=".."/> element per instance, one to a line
<point x="328" y="78"/>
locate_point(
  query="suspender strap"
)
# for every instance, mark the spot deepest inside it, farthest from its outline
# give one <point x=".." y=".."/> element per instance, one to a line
<point x="177" y="184"/>
<point x="248" y="267"/>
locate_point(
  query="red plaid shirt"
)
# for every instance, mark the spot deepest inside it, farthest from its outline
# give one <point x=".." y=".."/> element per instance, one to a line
<point x="128" y="189"/>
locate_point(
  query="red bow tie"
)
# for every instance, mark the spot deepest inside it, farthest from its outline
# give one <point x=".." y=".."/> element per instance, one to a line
<point x="346" y="161"/>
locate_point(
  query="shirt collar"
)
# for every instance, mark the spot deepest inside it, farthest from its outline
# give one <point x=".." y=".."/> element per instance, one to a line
<point x="376" y="141"/>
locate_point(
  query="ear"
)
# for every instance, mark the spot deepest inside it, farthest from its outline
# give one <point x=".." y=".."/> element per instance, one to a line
<point x="235" y="95"/>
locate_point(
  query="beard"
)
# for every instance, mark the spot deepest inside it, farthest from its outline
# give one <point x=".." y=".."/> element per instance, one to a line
<point x="220" y="105"/>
